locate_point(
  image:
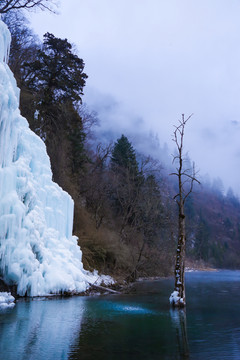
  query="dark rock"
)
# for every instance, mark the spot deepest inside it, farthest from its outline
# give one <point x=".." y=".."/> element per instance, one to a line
<point x="8" y="288"/>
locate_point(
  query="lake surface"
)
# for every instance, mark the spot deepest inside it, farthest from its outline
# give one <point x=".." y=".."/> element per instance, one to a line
<point x="136" y="326"/>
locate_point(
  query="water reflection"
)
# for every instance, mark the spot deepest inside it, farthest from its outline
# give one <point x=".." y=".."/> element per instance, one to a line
<point x="125" y="327"/>
<point x="40" y="329"/>
<point x="180" y="323"/>
<point x="139" y="326"/>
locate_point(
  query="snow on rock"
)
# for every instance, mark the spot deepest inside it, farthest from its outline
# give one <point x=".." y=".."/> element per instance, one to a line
<point x="6" y="300"/>
<point x="37" y="250"/>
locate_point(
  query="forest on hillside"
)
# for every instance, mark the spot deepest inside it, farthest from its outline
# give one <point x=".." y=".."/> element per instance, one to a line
<point x="125" y="214"/>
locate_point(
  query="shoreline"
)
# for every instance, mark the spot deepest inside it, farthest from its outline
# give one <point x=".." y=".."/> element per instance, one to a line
<point x="115" y="289"/>
<point x="207" y="269"/>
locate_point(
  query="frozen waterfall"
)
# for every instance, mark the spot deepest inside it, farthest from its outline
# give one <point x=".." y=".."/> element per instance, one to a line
<point x="37" y="250"/>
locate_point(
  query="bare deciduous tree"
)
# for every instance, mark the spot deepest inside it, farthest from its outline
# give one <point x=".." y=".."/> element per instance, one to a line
<point x="96" y="186"/>
<point x="186" y="179"/>
<point x="7" y="5"/>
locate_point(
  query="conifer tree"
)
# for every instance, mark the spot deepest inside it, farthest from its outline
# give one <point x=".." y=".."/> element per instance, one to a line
<point x="127" y="180"/>
<point x="124" y="157"/>
<point x="55" y="80"/>
<point x="57" y="73"/>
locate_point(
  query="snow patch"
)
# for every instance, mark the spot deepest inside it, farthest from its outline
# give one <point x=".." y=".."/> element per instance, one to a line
<point x="174" y="297"/>
<point x="6" y="300"/>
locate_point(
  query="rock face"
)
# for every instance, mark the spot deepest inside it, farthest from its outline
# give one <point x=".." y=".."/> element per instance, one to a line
<point x="6" y="288"/>
<point x="38" y="253"/>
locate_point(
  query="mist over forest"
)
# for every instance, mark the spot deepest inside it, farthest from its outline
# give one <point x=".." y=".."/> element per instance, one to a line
<point x="167" y="59"/>
<point x="118" y="176"/>
<point x="119" y="179"/>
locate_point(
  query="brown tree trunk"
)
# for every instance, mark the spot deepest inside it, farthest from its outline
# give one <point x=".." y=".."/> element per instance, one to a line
<point x="177" y="298"/>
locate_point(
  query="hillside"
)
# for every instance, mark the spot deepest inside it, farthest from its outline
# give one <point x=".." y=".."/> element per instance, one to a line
<point x="125" y="216"/>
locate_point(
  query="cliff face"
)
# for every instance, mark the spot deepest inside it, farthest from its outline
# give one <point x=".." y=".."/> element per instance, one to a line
<point x="38" y="253"/>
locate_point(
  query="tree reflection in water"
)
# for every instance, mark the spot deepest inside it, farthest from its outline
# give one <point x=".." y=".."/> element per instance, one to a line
<point x="179" y="321"/>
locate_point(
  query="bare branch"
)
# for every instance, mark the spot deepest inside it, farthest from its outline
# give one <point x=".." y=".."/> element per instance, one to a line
<point x="193" y="179"/>
<point x="184" y="176"/>
<point x="8" y="5"/>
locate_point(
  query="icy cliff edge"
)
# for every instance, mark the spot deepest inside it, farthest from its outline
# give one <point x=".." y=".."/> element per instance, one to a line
<point x="37" y="250"/>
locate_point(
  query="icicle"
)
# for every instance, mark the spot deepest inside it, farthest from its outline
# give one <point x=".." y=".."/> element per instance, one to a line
<point x="5" y="40"/>
<point x="37" y="250"/>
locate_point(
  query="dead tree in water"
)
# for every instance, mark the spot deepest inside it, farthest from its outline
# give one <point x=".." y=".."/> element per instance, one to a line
<point x="186" y="178"/>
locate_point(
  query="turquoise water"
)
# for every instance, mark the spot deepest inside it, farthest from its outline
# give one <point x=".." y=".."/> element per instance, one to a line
<point x="137" y="326"/>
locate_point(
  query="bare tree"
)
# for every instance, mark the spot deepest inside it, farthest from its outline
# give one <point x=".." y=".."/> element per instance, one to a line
<point x="96" y="185"/>
<point x="7" y="5"/>
<point x="186" y="179"/>
<point x="24" y="43"/>
<point x="89" y="120"/>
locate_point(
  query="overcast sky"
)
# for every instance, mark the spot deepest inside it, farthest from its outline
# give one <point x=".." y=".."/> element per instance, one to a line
<point x="149" y="61"/>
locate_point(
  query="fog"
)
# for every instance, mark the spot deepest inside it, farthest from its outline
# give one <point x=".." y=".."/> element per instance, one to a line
<point x="150" y="61"/>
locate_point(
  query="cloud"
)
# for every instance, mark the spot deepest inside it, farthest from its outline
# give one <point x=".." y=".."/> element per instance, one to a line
<point x="235" y="123"/>
<point x="157" y="60"/>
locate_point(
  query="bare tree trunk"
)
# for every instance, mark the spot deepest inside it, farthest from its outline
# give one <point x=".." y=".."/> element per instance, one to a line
<point x="133" y="276"/>
<point x="178" y="298"/>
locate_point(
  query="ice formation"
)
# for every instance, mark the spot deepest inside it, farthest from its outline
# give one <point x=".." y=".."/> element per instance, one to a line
<point x="41" y="330"/>
<point x="6" y="300"/>
<point x="37" y="250"/>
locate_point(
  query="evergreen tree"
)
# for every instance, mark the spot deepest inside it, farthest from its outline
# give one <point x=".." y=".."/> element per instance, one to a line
<point x="126" y="180"/>
<point x="124" y="157"/>
<point x="53" y="87"/>
<point x="57" y="73"/>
